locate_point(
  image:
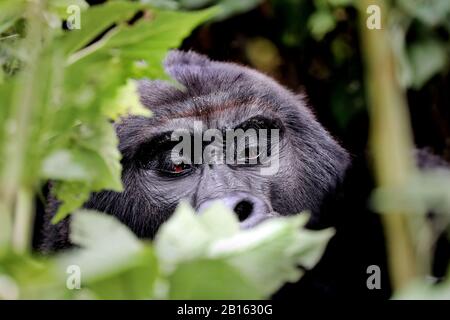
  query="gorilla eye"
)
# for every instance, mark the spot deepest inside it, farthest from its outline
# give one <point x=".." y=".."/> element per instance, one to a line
<point x="180" y="168"/>
<point x="171" y="168"/>
<point x="249" y="155"/>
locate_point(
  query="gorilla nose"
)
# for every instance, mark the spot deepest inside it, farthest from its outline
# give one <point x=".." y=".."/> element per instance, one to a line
<point x="249" y="209"/>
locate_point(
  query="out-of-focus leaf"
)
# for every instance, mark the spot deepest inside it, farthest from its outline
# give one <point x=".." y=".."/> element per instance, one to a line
<point x="173" y="249"/>
<point x="210" y="279"/>
<point x="106" y="244"/>
<point x="100" y="144"/>
<point x="114" y="264"/>
<point x="424" y="291"/>
<point x="96" y="20"/>
<point x="60" y="6"/>
<point x="10" y="11"/>
<point x="263" y="55"/>
<point x="66" y="165"/>
<point x="278" y="244"/>
<point x="126" y="102"/>
<point x="25" y="277"/>
<point x="5" y="93"/>
<point x="231" y="7"/>
<point x="72" y="195"/>
<point x="162" y="4"/>
<point x="9" y="289"/>
<point x="430" y="12"/>
<point x="342" y="3"/>
<point x="149" y="39"/>
<point x="320" y="23"/>
<point x="399" y="24"/>
<point x="135" y="281"/>
<point x="94" y="164"/>
<point x="427" y="58"/>
<point x="427" y="191"/>
<point x="226" y="8"/>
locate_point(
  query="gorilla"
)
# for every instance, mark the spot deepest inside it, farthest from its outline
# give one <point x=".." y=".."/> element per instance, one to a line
<point x="222" y="96"/>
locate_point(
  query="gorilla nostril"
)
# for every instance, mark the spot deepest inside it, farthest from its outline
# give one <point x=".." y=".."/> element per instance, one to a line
<point x="243" y="209"/>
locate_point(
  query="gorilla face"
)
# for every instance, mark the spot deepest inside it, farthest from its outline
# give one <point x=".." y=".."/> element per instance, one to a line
<point x="220" y="96"/>
<point x="224" y="97"/>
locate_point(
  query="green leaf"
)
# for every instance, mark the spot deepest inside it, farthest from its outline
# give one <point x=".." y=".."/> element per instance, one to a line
<point x="171" y="248"/>
<point x="72" y="195"/>
<point x="340" y="3"/>
<point x="126" y="102"/>
<point x="199" y="231"/>
<point x="278" y="244"/>
<point x="150" y="38"/>
<point x="9" y="289"/>
<point x="210" y="279"/>
<point x="114" y="264"/>
<point x="106" y="244"/>
<point x="426" y="191"/>
<point x="320" y="23"/>
<point x="99" y="147"/>
<point x="430" y="12"/>
<point x="60" y="6"/>
<point x="96" y="20"/>
<point x="25" y="277"/>
<point x="135" y="281"/>
<point x="427" y="58"/>
<point x="10" y="11"/>
<point x="5" y="94"/>
<point x="399" y="24"/>
<point x="91" y="165"/>
<point x="232" y="7"/>
<point x="66" y="165"/>
<point x="421" y="290"/>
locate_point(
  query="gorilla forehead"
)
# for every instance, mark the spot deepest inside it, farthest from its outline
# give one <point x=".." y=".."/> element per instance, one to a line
<point x="208" y="86"/>
<point x="218" y="111"/>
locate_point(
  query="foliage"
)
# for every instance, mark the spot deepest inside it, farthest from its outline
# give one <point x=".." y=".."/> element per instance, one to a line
<point x="226" y="8"/>
<point x="193" y="257"/>
<point x="61" y="90"/>
<point x="419" y="60"/>
<point x="76" y="80"/>
<point x="324" y="36"/>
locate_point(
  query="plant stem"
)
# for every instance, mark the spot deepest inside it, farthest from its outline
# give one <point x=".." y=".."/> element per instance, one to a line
<point x="15" y="195"/>
<point x="390" y="140"/>
<point x="5" y="225"/>
<point x="23" y="221"/>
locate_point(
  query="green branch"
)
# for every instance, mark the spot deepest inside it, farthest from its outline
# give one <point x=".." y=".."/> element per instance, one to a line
<point x="15" y="196"/>
<point x="390" y="140"/>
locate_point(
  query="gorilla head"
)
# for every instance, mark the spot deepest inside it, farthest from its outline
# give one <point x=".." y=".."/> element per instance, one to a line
<point x="221" y="96"/>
